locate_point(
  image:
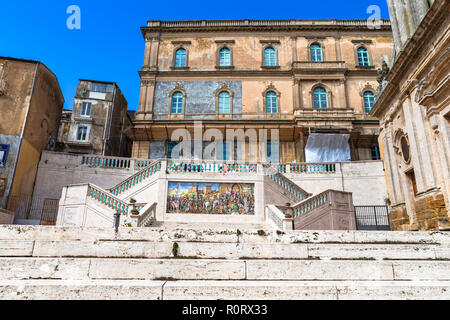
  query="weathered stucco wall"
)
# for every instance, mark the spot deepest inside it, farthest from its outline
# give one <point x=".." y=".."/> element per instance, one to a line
<point x="57" y="170"/>
<point x="365" y="179"/>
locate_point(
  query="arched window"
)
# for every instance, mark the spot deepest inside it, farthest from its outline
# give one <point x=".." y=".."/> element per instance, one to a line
<point x="316" y="52"/>
<point x="180" y="58"/>
<point x="224" y="102"/>
<point x="177" y="102"/>
<point x="270" y="57"/>
<point x="320" y="98"/>
<point x="369" y="101"/>
<point x="363" y="56"/>
<point x="225" y="57"/>
<point x="271" y="102"/>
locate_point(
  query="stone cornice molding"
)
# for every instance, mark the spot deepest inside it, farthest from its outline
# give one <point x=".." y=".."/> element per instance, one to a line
<point x="263" y="25"/>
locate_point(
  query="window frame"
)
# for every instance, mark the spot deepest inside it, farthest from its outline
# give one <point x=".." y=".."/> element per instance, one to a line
<point x="186" y="64"/>
<point x="364" y="100"/>
<point x="268" y="47"/>
<point x="230" y="57"/>
<point x="269" y="89"/>
<point x="358" y="62"/>
<point x="82" y="109"/>
<point x="311" y="51"/>
<point x="326" y="95"/>
<point x="178" y="102"/>
<point x="273" y="95"/>
<point x="78" y="132"/>
<point x="219" y="101"/>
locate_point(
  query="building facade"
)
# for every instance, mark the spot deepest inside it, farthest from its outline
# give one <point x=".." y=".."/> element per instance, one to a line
<point x="97" y="123"/>
<point x="293" y="78"/>
<point x="414" y="110"/>
<point x="31" y="102"/>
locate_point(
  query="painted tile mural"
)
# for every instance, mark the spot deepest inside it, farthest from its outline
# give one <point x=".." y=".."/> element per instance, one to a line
<point x="211" y="198"/>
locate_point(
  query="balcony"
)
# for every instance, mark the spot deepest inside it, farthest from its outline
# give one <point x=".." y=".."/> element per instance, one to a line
<point x="225" y="117"/>
<point x="314" y="66"/>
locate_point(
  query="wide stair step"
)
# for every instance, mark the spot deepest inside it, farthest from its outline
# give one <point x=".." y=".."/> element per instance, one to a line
<point x="174" y="262"/>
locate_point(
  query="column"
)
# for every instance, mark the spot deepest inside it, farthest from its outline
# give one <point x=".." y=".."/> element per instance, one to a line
<point x="155" y="53"/>
<point x="294" y="49"/>
<point x="150" y="94"/>
<point x="147" y="54"/>
<point x="297" y="95"/>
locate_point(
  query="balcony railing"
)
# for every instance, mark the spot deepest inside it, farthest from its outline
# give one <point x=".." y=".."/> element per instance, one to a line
<point x="310" y="65"/>
<point x="194" y="166"/>
<point x="218" y="116"/>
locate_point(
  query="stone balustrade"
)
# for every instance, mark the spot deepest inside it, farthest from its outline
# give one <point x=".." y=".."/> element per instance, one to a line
<point x="311" y="168"/>
<point x="114" y="162"/>
<point x="137" y="178"/>
<point x="107" y="199"/>
<point x="318" y="65"/>
<point x="194" y="166"/>
<point x="285" y="183"/>
<point x="306" y="206"/>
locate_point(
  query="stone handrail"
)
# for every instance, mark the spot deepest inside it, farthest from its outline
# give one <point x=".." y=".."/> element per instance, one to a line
<point x="114" y="162"/>
<point x="308" y="205"/>
<point x="233" y="116"/>
<point x="137" y="178"/>
<point x="319" y="65"/>
<point x="275" y="216"/>
<point x="192" y="166"/>
<point x="325" y="168"/>
<point x="108" y="199"/>
<point x="285" y="183"/>
<point x="147" y="216"/>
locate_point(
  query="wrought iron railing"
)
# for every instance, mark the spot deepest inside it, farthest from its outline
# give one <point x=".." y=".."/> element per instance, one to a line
<point x="372" y="218"/>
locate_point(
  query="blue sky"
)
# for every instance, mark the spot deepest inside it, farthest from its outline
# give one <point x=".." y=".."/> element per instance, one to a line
<point x="110" y="46"/>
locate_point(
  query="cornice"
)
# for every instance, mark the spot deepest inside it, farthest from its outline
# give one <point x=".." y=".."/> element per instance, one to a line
<point x="262" y="25"/>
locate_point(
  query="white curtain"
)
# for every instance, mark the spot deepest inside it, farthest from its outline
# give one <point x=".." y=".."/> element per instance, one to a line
<point x="324" y="147"/>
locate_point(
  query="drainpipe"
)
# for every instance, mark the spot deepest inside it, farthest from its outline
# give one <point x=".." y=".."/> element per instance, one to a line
<point x="22" y="132"/>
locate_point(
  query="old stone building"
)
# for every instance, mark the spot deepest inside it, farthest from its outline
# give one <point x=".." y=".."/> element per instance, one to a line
<point x="30" y="106"/>
<point x="97" y="123"/>
<point x="293" y="77"/>
<point x="414" y="111"/>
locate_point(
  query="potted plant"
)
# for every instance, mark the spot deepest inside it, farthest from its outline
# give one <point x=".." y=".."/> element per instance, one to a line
<point x="132" y="201"/>
<point x="135" y="212"/>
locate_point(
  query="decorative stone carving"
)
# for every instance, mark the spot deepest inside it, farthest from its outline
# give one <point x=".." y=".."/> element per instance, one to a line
<point x="382" y="73"/>
<point x="147" y="82"/>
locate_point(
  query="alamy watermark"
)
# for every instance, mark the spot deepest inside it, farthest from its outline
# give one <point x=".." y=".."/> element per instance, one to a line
<point x="74" y="20"/>
<point x="213" y="145"/>
<point x="374" y="21"/>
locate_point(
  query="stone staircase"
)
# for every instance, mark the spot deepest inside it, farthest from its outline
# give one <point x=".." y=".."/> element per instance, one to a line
<point x="90" y="205"/>
<point x="172" y="261"/>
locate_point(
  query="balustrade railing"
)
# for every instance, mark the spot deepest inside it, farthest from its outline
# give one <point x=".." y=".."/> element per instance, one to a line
<point x="206" y="166"/>
<point x="137" y="178"/>
<point x="293" y="188"/>
<point x="275" y="216"/>
<point x="308" y="205"/>
<point x="106" y="162"/>
<point x="114" y="162"/>
<point x="107" y="199"/>
<point x="324" y="168"/>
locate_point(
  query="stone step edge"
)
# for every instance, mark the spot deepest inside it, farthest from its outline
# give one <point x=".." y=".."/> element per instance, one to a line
<point x="223" y="290"/>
